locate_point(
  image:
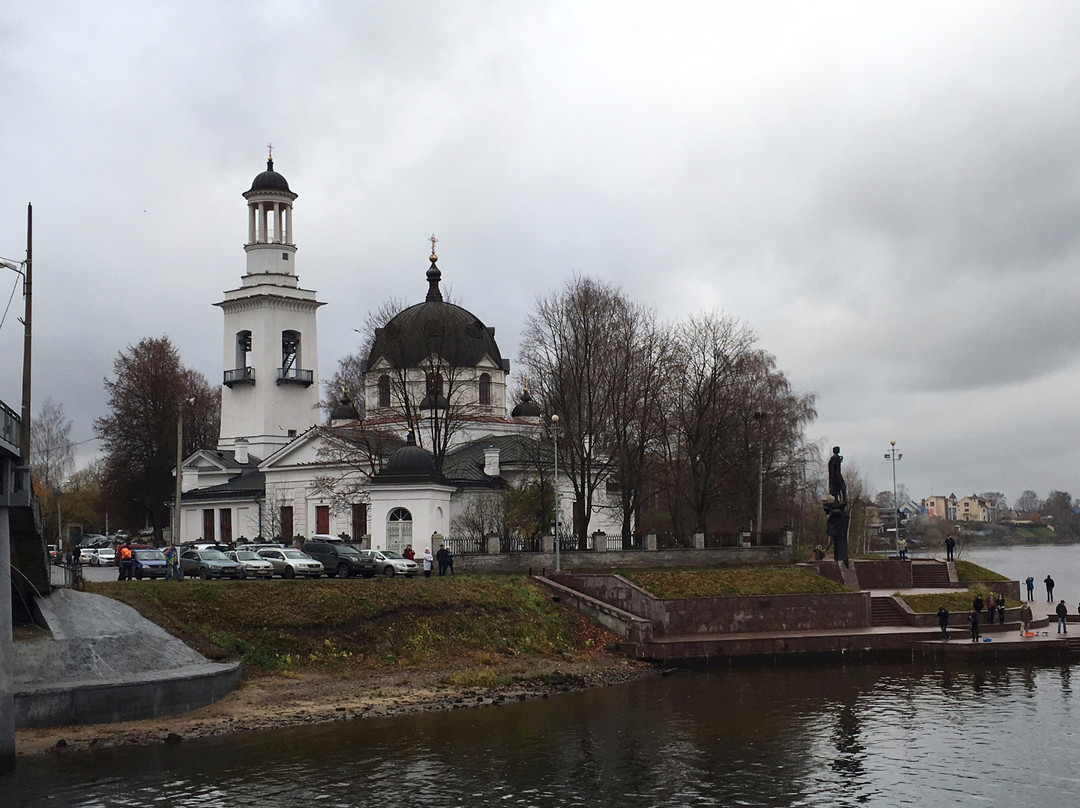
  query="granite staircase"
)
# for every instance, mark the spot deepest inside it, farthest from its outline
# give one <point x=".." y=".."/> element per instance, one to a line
<point x="884" y="611"/>
<point x="930" y="575"/>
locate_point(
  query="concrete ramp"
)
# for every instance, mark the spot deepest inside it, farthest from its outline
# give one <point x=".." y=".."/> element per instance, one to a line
<point x="105" y="663"/>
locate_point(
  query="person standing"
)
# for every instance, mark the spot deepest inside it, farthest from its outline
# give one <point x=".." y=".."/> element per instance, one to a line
<point x="977" y="605"/>
<point x="1001" y="608"/>
<point x="991" y="607"/>
<point x="1030" y="587"/>
<point x="950" y="546"/>
<point x="429" y="560"/>
<point x="901" y="548"/>
<point x="408" y="553"/>
<point x="1049" y="588"/>
<point x="943" y="621"/>
<point x="126" y="561"/>
<point x="1025" y="619"/>
<point x="1062" y="614"/>
<point x="450" y="561"/>
<point x="973" y="619"/>
<point x="172" y="565"/>
<point x="441" y="558"/>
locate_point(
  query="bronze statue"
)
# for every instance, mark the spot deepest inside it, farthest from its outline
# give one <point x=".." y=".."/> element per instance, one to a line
<point x="837" y="486"/>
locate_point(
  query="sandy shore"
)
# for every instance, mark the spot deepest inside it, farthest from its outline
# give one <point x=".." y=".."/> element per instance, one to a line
<point x="270" y="701"/>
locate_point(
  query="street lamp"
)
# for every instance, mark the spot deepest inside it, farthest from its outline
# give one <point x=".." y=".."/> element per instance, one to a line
<point x="555" y="432"/>
<point x="760" y="418"/>
<point x="894" y="455"/>
<point x="179" y="463"/>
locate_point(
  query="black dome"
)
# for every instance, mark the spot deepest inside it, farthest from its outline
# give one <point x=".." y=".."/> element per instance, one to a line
<point x="410" y="459"/>
<point x="434" y="327"/>
<point x="526" y="408"/>
<point x="344" y="410"/>
<point x="270" y="180"/>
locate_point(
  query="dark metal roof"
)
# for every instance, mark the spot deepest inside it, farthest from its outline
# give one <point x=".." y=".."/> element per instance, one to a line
<point x="249" y="484"/>
<point x="270" y="180"/>
<point x="464" y="464"/>
<point x="435" y="327"/>
<point x="410" y="464"/>
<point x="526" y="408"/>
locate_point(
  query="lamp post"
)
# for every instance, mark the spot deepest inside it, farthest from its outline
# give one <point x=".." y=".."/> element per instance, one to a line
<point x="174" y="534"/>
<point x="893" y="456"/>
<point x="760" y="418"/>
<point x="555" y="432"/>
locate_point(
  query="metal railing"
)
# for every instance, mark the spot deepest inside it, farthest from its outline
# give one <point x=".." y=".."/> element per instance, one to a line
<point x="10" y="427"/>
<point x="296" y="376"/>
<point x="239" y="376"/>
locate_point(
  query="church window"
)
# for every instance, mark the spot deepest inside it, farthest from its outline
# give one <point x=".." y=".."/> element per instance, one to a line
<point x="485" y="389"/>
<point x="284" y="256"/>
<point x="435" y="384"/>
<point x="384" y="391"/>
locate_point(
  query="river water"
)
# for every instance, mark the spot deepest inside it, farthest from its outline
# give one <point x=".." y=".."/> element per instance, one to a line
<point x="876" y="735"/>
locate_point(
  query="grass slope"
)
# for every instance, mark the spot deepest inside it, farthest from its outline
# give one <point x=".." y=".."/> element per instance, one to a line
<point x="734" y="582"/>
<point x="336" y="624"/>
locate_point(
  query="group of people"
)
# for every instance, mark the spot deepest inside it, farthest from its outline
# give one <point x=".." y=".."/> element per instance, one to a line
<point x="444" y="557"/>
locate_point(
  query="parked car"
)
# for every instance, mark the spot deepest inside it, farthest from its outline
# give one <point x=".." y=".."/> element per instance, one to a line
<point x="288" y="563"/>
<point x="94" y="540"/>
<point x="251" y="563"/>
<point x="208" y="564"/>
<point x="342" y="560"/>
<point x="149" y="563"/>
<point x="389" y="563"/>
<point x="97" y="556"/>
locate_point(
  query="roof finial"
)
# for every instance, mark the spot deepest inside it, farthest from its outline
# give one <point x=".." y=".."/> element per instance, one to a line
<point x="525" y="384"/>
<point x="270" y="159"/>
<point x="433" y="274"/>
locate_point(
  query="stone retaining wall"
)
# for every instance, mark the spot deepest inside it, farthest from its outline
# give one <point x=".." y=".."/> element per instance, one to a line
<point x="621" y="559"/>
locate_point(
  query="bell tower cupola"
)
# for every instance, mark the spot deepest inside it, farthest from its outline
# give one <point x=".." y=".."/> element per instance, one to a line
<point x="271" y="248"/>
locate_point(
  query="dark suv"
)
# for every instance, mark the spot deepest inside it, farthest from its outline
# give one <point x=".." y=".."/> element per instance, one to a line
<point x="342" y="560"/>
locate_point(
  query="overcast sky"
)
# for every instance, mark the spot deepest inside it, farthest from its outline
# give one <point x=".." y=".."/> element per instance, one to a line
<point x="888" y="195"/>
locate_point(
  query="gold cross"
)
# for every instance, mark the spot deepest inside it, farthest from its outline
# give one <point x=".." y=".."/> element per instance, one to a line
<point x="433" y="240"/>
<point x="270" y="146"/>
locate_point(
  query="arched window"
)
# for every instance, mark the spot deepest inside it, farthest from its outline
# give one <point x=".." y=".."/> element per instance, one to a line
<point x="434" y="384"/>
<point x="398" y="529"/>
<point x="485" y="389"/>
<point x="384" y="391"/>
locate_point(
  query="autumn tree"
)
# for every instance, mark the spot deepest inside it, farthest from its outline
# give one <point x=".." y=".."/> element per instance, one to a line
<point x="1028" y="503"/>
<point x="148" y="387"/>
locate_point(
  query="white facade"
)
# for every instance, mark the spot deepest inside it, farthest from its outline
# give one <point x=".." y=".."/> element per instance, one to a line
<point x="271" y="349"/>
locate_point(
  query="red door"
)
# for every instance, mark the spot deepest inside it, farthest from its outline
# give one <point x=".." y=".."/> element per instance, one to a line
<point x="286" y="523"/>
<point x="208" y="524"/>
<point x="226" y="526"/>
<point x="322" y="519"/>
<point x="359" y="521"/>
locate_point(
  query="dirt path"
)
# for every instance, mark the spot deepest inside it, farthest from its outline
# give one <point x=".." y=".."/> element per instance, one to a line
<point x="267" y="702"/>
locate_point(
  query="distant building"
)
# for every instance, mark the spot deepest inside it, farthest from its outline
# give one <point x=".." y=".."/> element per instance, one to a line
<point x="969" y="509"/>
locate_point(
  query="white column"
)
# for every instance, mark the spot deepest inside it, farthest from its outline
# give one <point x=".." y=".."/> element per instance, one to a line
<point x="251" y="224"/>
<point x="288" y="225"/>
<point x="277" y="222"/>
<point x="262" y="223"/>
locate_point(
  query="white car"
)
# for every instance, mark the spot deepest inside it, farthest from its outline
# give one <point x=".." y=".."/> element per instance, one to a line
<point x="389" y="563"/>
<point x="98" y="556"/>
<point x="252" y="565"/>
<point x="289" y="563"/>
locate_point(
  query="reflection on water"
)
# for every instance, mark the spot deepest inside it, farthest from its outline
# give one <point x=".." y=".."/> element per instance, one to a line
<point x="874" y="735"/>
<point x="879" y="735"/>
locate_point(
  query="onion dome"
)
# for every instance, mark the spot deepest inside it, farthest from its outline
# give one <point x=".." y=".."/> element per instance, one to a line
<point x="435" y="327"/>
<point x="526" y="407"/>
<point x="344" y="410"/>
<point x="410" y="460"/>
<point x="270" y="180"/>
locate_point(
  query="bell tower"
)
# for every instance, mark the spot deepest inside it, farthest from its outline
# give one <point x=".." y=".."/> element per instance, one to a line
<point x="271" y="359"/>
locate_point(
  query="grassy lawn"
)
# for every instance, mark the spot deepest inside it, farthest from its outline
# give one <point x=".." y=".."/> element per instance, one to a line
<point x="341" y="623"/>
<point x="966" y="571"/>
<point x="734" y="582"/>
<point x="959" y="601"/>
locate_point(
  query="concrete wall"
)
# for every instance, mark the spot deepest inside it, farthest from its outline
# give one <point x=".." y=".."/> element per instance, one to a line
<point x="146" y="696"/>
<point x="621" y="559"/>
<point x="884" y="574"/>
<point x="726" y="615"/>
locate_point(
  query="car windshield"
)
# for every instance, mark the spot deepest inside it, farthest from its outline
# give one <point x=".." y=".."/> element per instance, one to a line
<point x="247" y="555"/>
<point x="347" y="549"/>
<point x="213" y="555"/>
<point x="297" y="554"/>
<point x="391" y="554"/>
<point x="150" y="555"/>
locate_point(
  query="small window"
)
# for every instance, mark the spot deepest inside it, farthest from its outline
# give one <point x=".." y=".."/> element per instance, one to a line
<point x="384" y="391"/>
<point x="292" y="433"/>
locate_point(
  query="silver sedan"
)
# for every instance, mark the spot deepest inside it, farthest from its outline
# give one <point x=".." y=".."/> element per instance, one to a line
<point x="252" y="565"/>
<point x="289" y="563"/>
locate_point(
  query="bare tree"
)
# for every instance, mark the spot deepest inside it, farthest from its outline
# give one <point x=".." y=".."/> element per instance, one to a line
<point x="352" y="454"/>
<point x="52" y="457"/>
<point x="571" y="348"/>
<point x="484" y="515"/>
<point x="1028" y="503"/>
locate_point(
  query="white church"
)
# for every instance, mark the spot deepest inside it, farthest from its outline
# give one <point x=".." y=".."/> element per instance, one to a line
<point x="268" y="477"/>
